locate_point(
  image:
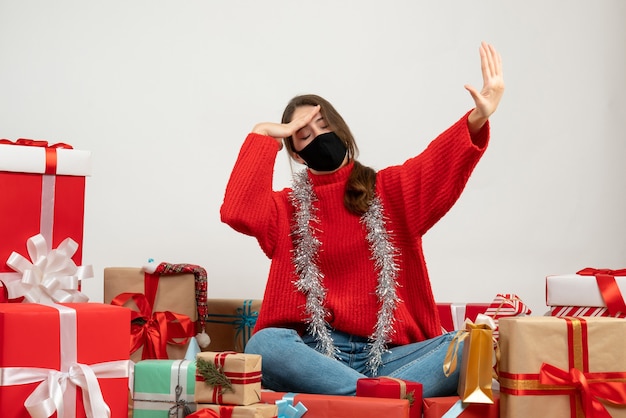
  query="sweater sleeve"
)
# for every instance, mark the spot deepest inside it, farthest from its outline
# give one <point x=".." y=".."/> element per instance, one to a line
<point x="425" y="188"/>
<point x="249" y="201"/>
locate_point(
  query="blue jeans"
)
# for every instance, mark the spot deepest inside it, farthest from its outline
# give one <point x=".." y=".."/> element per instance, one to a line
<point x="290" y="363"/>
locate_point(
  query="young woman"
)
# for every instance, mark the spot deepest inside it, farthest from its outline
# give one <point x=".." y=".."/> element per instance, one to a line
<point x="348" y="294"/>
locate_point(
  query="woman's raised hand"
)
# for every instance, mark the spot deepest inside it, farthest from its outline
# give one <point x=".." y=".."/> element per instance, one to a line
<point x="283" y="130"/>
<point x="488" y="98"/>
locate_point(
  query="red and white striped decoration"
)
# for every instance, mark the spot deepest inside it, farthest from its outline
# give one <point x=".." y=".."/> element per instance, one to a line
<point x="576" y="311"/>
<point x="504" y="305"/>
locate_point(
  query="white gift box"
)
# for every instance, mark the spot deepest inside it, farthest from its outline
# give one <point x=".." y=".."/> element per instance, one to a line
<point x="577" y="290"/>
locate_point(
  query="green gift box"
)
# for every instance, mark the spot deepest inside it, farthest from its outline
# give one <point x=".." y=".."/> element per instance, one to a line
<point x="164" y="388"/>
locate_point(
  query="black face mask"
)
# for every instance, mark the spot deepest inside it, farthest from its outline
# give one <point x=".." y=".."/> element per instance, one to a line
<point x="325" y="153"/>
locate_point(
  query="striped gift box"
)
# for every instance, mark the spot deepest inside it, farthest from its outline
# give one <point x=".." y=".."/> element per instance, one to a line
<point x="506" y="305"/>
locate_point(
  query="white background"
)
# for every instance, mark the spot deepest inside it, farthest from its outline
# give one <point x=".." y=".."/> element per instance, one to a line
<point x="164" y="92"/>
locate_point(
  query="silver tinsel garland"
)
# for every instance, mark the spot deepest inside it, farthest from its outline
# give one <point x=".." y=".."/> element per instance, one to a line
<point x="311" y="277"/>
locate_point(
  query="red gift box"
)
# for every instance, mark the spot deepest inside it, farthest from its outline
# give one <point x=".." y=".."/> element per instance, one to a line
<point x="388" y="387"/>
<point x="81" y="345"/>
<point x="453" y="315"/>
<point x="323" y="406"/>
<point x="437" y="407"/>
<point x="43" y="189"/>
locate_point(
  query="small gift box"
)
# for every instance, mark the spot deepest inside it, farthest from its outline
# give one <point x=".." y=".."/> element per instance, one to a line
<point x="453" y="315"/>
<point x="389" y="387"/>
<point x="228" y="378"/>
<point x="589" y="292"/>
<point x="257" y="410"/>
<point x="476" y="371"/>
<point x="323" y="406"/>
<point x="562" y="367"/>
<point x="452" y="406"/>
<point x="43" y="192"/>
<point x="167" y="300"/>
<point x="164" y="388"/>
<point x="230" y="323"/>
<point x="81" y="368"/>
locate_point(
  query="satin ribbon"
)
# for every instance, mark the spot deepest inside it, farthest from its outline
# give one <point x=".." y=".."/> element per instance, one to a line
<point x="609" y="290"/>
<point x="455" y="410"/>
<point x="50" y="276"/>
<point x="451" y="359"/>
<point x="4" y="295"/>
<point x="154" y="330"/>
<point x="51" y="150"/>
<point x="286" y="408"/>
<point x="590" y="390"/>
<point x="243" y="321"/>
<point x="56" y="391"/>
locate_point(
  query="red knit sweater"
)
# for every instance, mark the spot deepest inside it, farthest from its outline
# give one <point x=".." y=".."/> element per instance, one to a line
<point x="414" y="195"/>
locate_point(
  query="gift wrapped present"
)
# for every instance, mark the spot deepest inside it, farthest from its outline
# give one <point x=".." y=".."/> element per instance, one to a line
<point x="452" y="406"/>
<point x="164" y="388"/>
<point x="390" y="387"/>
<point x="589" y="292"/>
<point x="562" y="367"/>
<point x="228" y="378"/>
<point x="257" y="410"/>
<point x="168" y="302"/>
<point x="230" y="323"/>
<point x="323" y="406"/>
<point x="453" y="315"/>
<point x="43" y="192"/>
<point x="81" y="361"/>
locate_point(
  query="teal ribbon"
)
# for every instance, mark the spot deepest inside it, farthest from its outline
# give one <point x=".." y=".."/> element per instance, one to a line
<point x="286" y="409"/>
<point x="455" y="410"/>
<point x="244" y="321"/>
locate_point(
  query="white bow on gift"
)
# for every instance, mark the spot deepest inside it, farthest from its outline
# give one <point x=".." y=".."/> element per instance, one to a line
<point x="49" y="276"/>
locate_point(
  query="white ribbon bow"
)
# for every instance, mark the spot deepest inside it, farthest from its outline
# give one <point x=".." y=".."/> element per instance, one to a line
<point x="48" y="396"/>
<point x="49" y="276"/>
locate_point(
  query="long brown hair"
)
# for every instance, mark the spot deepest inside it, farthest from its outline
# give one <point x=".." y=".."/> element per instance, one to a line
<point x="360" y="186"/>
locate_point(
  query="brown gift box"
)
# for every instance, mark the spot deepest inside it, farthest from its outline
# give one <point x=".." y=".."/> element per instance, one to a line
<point x="586" y="350"/>
<point x="243" y="371"/>
<point x="230" y="323"/>
<point x="258" y="410"/>
<point x="175" y="293"/>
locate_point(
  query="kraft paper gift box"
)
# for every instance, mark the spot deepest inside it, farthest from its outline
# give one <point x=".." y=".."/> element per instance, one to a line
<point x="323" y="406"/>
<point x="258" y="410"/>
<point x="562" y="367"/>
<point x="43" y="192"/>
<point x="164" y="388"/>
<point x="438" y="407"/>
<point x="589" y="292"/>
<point x="389" y="387"/>
<point x="230" y="323"/>
<point x="172" y="294"/>
<point x="42" y="346"/>
<point x="228" y="378"/>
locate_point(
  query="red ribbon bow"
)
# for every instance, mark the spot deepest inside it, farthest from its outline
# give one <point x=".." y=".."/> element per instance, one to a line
<point x="591" y="386"/>
<point x="608" y="287"/>
<point x="154" y="330"/>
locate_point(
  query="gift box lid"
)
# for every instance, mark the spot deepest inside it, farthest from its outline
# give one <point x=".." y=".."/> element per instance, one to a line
<point x="37" y="157"/>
